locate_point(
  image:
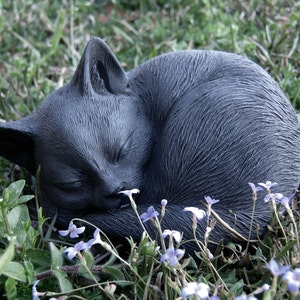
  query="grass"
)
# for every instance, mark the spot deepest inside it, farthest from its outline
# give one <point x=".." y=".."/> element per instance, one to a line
<point x="41" y="44"/>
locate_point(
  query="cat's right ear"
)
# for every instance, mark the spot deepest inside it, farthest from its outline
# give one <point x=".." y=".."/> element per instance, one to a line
<point x="17" y="142"/>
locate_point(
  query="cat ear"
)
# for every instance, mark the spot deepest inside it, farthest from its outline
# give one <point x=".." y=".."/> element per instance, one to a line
<point x="99" y="70"/>
<point x="17" y="142"/>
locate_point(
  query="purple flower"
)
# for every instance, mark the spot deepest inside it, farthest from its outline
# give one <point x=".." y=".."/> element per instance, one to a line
<point x="34" y="291"/>
<point x="72" y="230"/>
<point x="73" y="251"/>
<point x="276" y="269"/>
<point x="285" y="201"/>
<point x="210" y="201"/>
<point x="129" y="193"/>
<point x="150" y="214"/>
<point x="172" y="233"/>
<point x="254" y="188"/>
<point x="198" y="213"/>
<point x="276" y="196"/>
<point x="164" y="202"/>
<point x="265" y="287"/>
<point x="293" y="280"/>
<point x="268" y="185"/>
<point x="172" y="255"/>
<point x="95" y="240"/>
<point x="199" y="289"/>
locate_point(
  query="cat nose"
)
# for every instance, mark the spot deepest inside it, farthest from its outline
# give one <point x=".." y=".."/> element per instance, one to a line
<point x="113" y="188"/>
<point x="121" y="187"/>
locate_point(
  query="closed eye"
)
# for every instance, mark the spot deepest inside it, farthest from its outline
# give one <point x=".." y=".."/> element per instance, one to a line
<point x="69" y="185"/>
<point x="123" y="151"/>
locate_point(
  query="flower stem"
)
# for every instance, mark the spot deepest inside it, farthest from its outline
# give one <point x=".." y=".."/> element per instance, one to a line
<point x="254" y="198"/>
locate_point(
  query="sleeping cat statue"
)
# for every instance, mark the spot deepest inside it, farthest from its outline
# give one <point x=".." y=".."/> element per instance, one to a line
<point x="180" y="126"/>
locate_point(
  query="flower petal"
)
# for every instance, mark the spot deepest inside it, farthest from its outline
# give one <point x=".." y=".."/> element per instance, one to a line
<point x="129" y="193"/>
<point x="151" y="213"/>
<point x="63" y="232"/>
<point x="210" y="201"/>
<point x="34" y="291"/>
<point x="189" y="289"/>
<point x="164" y="202"/>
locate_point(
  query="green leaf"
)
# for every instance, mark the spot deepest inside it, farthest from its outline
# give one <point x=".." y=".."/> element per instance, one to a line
<point x="237" y="287"/>
<point x="15" y="270"/>
<point x="89" y="263"/>
<point x="5" y="196"/>
<point x="89" y="259"/>
<point x="16" y="218"/>
<point x="30" y="272"/>
<point x="38" y="256"/>
<point x="56" y="256"/>
<point x="234" y="246"/>
<point x="18" y="215"/>
<point x="12" y="193"/>
<point x="25" y="198"/>
<point x="113" y="272"/>
<point x="11" y="289"/>
<point x="287" y="248"/>
<point x="64" y="283"/>
<point x="7" y="256"/>
<point x="294" y="17"/>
